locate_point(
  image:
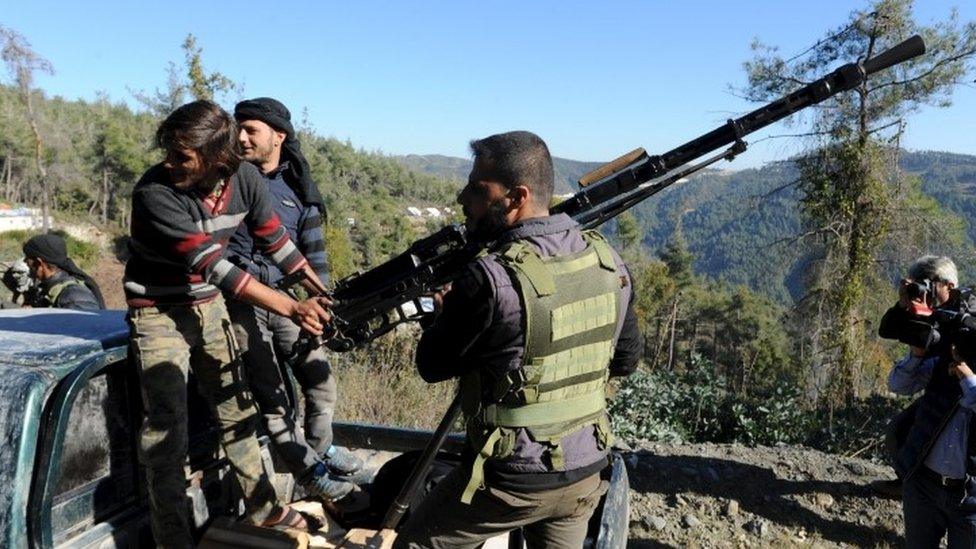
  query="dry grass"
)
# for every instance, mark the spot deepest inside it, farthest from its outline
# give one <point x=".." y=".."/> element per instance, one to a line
<point x="380" y="385"/>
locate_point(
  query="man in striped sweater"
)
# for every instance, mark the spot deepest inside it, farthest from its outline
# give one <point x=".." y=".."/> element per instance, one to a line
<point x="184" y="212"/>
<point x="268" y="141"/>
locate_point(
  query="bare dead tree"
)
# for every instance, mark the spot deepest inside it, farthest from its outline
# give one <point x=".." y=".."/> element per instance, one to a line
<point x="22" y="62"/>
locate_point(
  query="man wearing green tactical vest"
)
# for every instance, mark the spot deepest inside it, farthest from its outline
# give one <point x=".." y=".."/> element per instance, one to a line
<point x="59" y="282"/>
<point x="533" y="329"/>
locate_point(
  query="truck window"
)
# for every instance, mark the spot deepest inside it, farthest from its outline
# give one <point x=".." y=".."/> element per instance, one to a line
<point x="98" y="467"/>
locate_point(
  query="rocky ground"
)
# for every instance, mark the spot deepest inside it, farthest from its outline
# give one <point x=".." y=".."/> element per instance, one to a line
<point x="728" y="495"/>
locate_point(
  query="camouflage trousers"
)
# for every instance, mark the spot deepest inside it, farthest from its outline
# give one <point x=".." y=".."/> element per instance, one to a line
<point x="166" y="342"/>
<point x="266" y="339"/>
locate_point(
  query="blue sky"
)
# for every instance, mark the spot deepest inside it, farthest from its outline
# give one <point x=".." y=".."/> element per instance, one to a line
<point x="595" y="79"/>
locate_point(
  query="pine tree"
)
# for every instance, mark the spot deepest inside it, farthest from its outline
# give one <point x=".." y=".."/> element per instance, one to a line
<point x="850" y="184"/>
<point x="628" y="233"/>
<point x="22" y="62"/>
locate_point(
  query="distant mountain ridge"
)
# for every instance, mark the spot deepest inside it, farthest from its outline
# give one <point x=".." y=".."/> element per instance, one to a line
<point x="740" y="225"/>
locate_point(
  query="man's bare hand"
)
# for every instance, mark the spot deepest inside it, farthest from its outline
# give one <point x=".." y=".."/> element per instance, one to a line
<point x="312" y="314"/>
<point x="959" y="368"/>
<point x="312" y="282"/>
<point x="439" y="298"/>
<point x="904" y="301"/>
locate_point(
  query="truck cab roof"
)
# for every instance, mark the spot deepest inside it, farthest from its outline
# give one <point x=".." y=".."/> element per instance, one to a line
<point x="38" y="349"/>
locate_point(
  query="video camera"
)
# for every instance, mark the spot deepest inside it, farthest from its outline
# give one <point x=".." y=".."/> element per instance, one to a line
<point x="919" y="290"/>
<point x="16" y="277"/>
<point x="952" y="323"/>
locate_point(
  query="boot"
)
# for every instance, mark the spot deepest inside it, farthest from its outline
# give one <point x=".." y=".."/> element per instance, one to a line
<point x="320" y="484"/>
<point x="342" y="461"/>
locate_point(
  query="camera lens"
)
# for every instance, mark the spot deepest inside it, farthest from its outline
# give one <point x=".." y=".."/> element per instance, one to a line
<point x="917" y="290"/>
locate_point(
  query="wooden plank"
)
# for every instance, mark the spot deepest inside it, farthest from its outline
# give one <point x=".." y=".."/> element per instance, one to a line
<point x="225" y="533"/>
<point x="364" y="538"/>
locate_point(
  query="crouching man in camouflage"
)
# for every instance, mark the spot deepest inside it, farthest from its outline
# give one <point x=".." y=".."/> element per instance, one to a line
<point x="183" y="213"/>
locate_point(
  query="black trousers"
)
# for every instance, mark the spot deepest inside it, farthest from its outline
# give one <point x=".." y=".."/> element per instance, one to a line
<point x="932" y="510"/>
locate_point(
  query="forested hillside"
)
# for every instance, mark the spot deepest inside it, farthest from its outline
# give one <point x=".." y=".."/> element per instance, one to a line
<point x="740" y="226"/>
<point x="95" y="152"/>
<point x="743" y="226"/>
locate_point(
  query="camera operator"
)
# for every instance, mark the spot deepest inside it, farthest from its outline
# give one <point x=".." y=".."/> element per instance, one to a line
<point x="18" y="280"/>
<point x="937" y="459"/>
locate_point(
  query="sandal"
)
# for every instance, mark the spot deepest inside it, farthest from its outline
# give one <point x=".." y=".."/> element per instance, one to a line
<point x="288" y="519"/>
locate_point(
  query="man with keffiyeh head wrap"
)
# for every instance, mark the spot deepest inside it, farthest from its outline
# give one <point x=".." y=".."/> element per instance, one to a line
<point x="268" y="141"/>
<point x="60" y="283"/>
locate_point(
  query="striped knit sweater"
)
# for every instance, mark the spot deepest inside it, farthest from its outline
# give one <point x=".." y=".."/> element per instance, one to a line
<point x="304" y="225"/>
<point x="178" y="239"/>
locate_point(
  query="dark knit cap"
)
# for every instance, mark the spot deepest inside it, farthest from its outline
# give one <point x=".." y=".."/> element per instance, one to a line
<point x="270" y="111"/>
<point x="298" y="175"/>
<point x="53" y="250"/>
<point x="49" y="247"/>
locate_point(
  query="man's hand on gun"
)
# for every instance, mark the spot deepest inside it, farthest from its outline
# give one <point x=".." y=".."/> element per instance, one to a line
<point x="438" y="298"/>
<point x="312" y="282"/>
<point x="312" y="314"/>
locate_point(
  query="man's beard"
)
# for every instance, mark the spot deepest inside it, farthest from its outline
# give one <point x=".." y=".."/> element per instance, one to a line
<point x="259" y="156"/>
<point x="260" y="153"/>
<point x="491" y="225"/>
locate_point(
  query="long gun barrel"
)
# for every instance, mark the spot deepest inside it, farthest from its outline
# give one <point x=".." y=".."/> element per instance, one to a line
<point x="370" y="304"/>
<point x="645" y="168"/>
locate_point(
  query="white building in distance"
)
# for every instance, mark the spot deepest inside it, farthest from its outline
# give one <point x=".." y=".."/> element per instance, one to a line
<point x="20" y="219"/>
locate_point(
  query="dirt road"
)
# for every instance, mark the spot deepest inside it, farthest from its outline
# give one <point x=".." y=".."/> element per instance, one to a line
<point x="720" y="495"/>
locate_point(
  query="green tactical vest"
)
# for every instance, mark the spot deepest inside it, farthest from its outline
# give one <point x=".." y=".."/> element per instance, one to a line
<point x="571" y="305"/>
<point x="52" y="293"/>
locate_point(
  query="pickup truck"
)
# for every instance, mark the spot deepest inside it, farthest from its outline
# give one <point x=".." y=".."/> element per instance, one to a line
<point x="69" y="472"/>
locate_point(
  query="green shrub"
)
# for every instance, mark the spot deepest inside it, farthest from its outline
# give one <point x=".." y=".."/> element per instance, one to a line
<point x="669" y="407"/>
<point x="698" y="405"/>
<point x="777" y="416"/>
<point x="85" y="254"/>
<point x="646" y="407"/>
<point x="857" y="429"/>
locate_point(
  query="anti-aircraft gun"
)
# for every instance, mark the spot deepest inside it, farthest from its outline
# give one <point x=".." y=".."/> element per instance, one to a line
<point x="370" y="304"/>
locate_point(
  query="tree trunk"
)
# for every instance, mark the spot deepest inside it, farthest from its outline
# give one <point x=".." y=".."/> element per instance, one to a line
<point x="674" y="323"/>
<point x="5" y="176"/>
<point x="658" y="342"/>
<point x="39" y="161"/>
<point x="105" y="189"/>
<point x="94" y="203"/>
<point x="859" y="247"/>
<point x="124" y="213"/>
